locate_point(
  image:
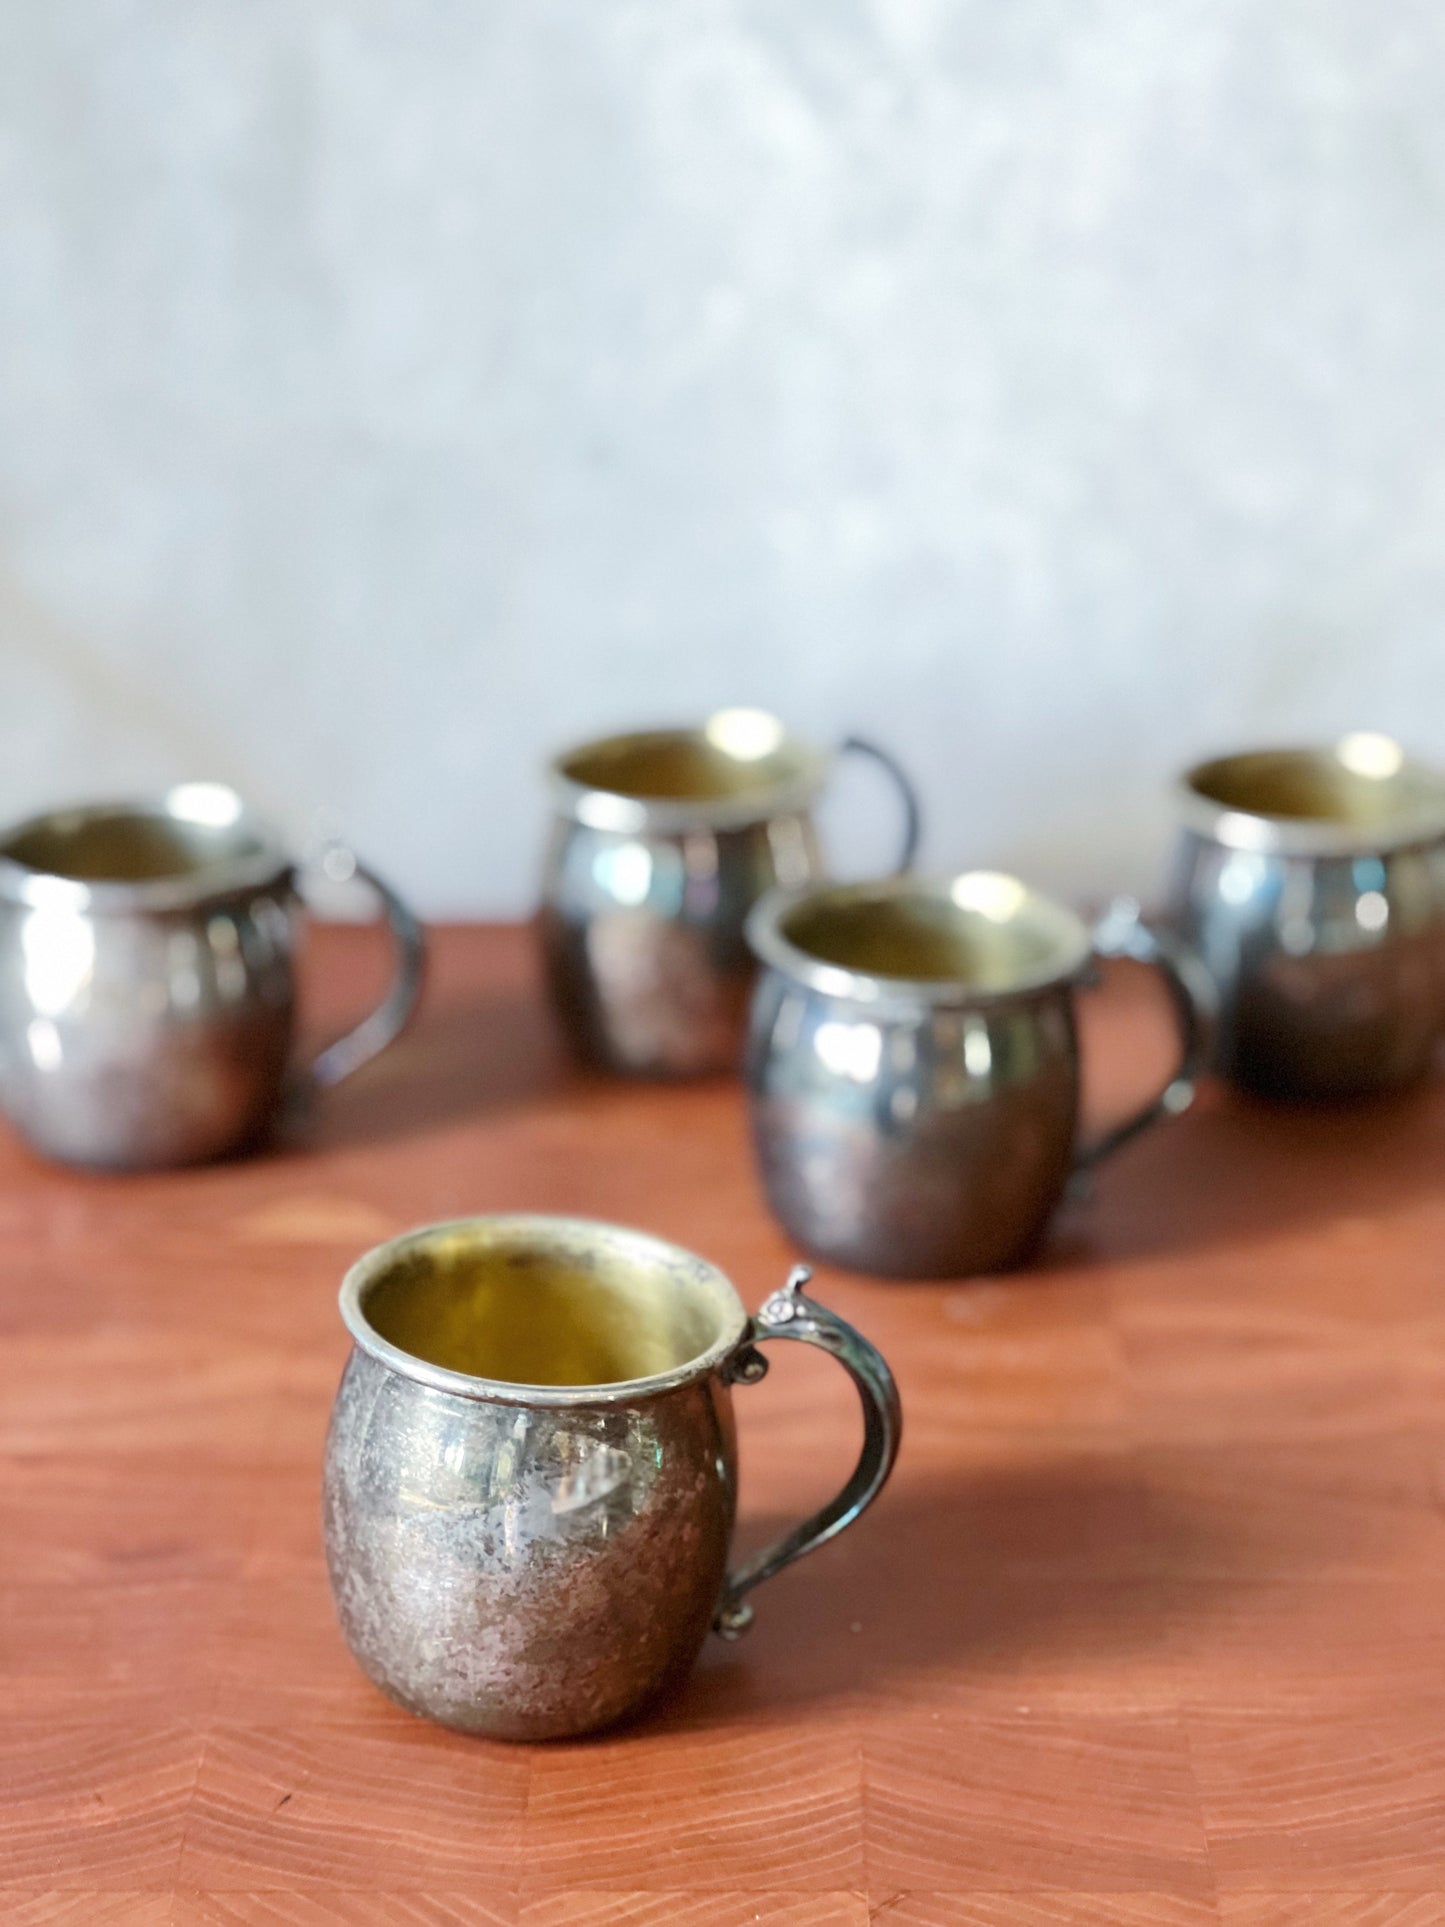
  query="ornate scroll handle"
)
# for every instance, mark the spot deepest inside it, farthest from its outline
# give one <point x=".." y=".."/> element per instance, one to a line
<point x="789" y="1313"/>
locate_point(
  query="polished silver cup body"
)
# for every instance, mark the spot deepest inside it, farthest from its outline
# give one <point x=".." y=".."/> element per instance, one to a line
<point x="1312" y="885"/>
<point x="526" y="1572"/>
<point x="913" y="1066"/>
<point x="147" y="988"/>
<point x="661" y="843"/>
<point x="533" y="1561"/>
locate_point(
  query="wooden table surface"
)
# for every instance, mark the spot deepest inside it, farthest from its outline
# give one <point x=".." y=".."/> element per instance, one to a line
<point x="1147" y="1628"/>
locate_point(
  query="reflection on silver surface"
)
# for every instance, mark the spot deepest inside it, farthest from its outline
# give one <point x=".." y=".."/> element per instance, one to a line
<point x="913" y="1067"/>
<point x="146" y="986"/>
<point x="520" y="1550"/>
<point x="661" y="844"/>
<point x="1312" y="884"/>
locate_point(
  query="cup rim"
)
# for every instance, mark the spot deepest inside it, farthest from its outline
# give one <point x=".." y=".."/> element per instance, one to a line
<point x="1365" y="754"/>
<point x="773" y="948"/>
<point x="600" y="808"/>
<point x="499" y="1391"/>
<point x="212" y="805"/>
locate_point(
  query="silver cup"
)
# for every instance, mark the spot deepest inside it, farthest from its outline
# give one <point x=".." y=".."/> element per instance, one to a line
<point x="146" y="980"/>
<point x="531" y="1478"/>
<point x="661" y="844"/>
<point x="1312" y="884"/>
<point x="913" y="1065"/>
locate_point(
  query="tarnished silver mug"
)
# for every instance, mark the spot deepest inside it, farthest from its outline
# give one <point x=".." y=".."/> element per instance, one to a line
<point x="1312" y="884"/>
<point x="661" y="843"/>
<point x="913" y="1065"/>
<point x="146" y="982"/>
<point x="531" y="1478"/>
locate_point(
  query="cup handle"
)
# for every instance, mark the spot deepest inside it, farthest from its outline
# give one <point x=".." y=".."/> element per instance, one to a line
<point x="908" y="795"/>
<point x="1122" y="932"/>
<point x="788" y="1313"/>
<point x="390" y="1017"/>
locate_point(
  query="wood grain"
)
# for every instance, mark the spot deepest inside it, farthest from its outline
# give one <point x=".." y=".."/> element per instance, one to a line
<point x="1146" y="1630"/>
<point x="968" y="1798"/>
<point x="1047" y="1910"/>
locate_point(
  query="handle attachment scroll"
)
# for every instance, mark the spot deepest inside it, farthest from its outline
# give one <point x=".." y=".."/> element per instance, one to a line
<point x="789" y="1313"/>
<point x="1122" y="932"/>
<point x="339" y="864"/>
<point x="908" y="795"/>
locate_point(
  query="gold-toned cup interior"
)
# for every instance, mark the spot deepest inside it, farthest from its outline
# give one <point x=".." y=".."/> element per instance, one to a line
<point x="517" y="1306"/>
<point x="737" y="753"/>
<point x="982" y="931"/>
<point x="103" y="844"/>
<point x="1363" y="783"/>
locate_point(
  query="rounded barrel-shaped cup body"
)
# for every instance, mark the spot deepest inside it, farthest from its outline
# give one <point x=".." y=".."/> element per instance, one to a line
<point x="660" y="846"/>
<point x="146" y="983"/>
<point x="1324" y="932"/>
<point x="913" y="1124"/>
<point x="926" y="1143"/>
<point x="531" y="1559"/>
<point x="643" y="937"/>
<point x="525" y="1572"/>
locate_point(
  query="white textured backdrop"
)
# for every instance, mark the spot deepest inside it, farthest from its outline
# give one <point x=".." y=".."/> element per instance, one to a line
<point x="393" y="390"/>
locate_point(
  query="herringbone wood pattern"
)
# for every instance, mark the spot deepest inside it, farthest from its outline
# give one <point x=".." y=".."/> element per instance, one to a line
<point x="1148" y="1628"/>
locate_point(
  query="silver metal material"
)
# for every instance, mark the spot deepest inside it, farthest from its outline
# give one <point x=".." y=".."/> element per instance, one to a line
<point x="532" y="1560"/>
<point x="913" y="1065"/>
<point x="1311" y="883"/>
<point x="146" y="980"/>
<point x="1123" y="932"/>
<point x="907" y="794"/>
<point x="789" y="1313"/>
<point x="385" y="1024"/>
<point x="660" y="845"/>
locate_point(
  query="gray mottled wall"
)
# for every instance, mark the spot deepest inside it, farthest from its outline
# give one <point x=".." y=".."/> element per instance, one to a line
<point x="391" y="390"/>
